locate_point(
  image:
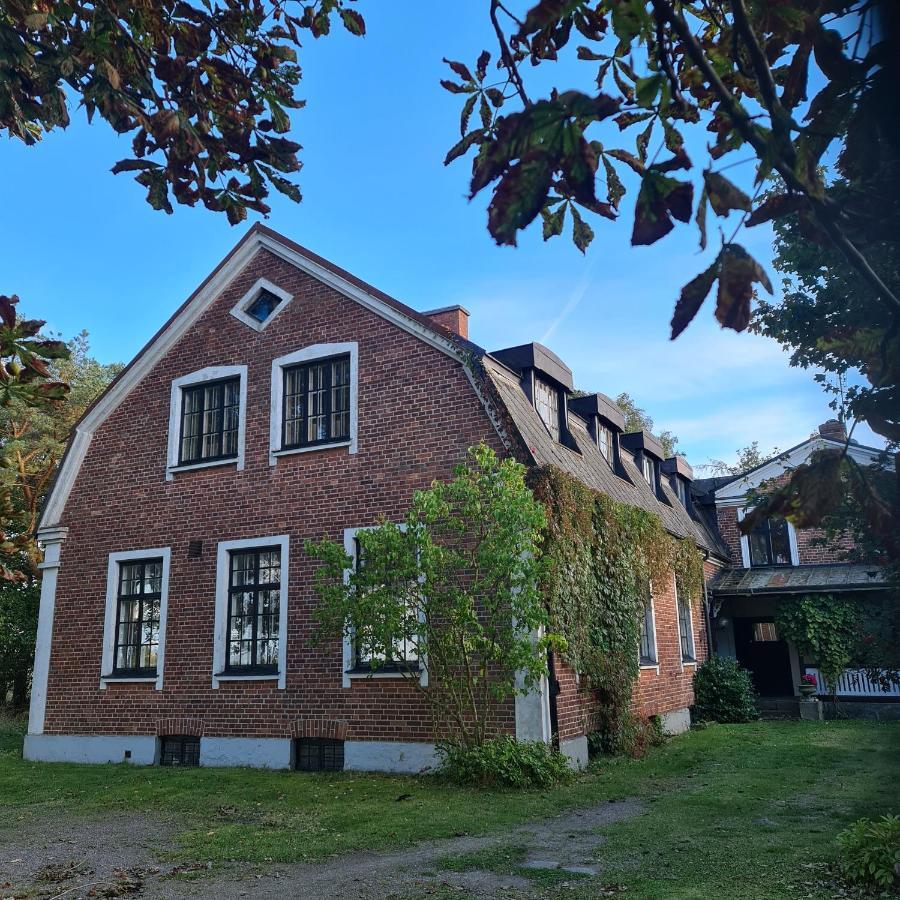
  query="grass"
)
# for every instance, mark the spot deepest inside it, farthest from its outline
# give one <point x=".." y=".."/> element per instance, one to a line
<point x="737" y="811"/>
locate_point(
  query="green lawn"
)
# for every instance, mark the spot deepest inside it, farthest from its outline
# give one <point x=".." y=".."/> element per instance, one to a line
<point x="737" y="811"/>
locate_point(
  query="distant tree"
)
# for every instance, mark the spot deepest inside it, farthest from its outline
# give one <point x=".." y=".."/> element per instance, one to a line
<point x="636" y="419"/>
<point x="35" y="436"/>
<point x="747" y="458"/>
<point x="203" y="87"/>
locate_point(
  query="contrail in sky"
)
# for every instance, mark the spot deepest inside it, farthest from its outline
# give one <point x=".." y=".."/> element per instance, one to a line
<point x="576" y="298"/>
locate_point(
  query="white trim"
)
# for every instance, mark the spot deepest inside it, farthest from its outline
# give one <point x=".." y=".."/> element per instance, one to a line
<point x="690" y="608"/>
<point x="745" y="541"/>
<point x="736" y="491"/>
<point x="109" y="619"/>
<point x="52" y="539"/>
<point x="239" y="311"/>
<point x="347" y="660"/>
<point x="210" y="373"/>
<point x="276" y="396"/>
<point x="220" y="638"/>
<point x="202" y="299"/>
<point x="655" y="663"/>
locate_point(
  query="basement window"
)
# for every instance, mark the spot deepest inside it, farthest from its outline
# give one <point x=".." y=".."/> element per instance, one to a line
<point x="319" y="755"/>
<point x="179" y="750"/>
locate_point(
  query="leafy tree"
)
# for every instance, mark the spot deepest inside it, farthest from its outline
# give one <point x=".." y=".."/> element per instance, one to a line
<point x="741" y="70"/>
<point x="748" y="458"/>
<point x="35" y="437"/>
<point x="204" y="88"/>
<point x="454" y="587"/>
<point x="636" y="419"/>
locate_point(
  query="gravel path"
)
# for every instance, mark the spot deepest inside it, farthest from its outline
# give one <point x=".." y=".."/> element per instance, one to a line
<point x="118" y="856"/>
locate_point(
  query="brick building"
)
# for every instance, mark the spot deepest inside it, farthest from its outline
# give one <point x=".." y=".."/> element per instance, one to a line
<point x="779" y="560"/>
<point x="285" y="400"/>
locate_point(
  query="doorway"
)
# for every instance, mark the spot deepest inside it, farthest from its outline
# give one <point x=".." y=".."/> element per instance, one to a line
<point x="767" y="657"/>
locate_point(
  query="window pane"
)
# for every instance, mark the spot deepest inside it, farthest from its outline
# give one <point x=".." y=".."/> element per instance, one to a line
<point x="253" y="612"/>
<point x="137" y="616"/>
<point x="684" y="629"/>
<point x="781" y="545"/>
<point x="209" y="421"/>
<point x="546" y="402"/>
<point x="315" y="400"/>
<point x="759" y="547"/>
<point x="604" y="441"/>
<point x="764" y="631"/>
<point x="648" y="641"/>
<point x="263" y="306"/>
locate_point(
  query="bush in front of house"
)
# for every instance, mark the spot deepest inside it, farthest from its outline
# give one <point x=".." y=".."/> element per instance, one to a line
<point x="633" y="737"/>
<point x="504" y="762"/>
<point x="870" y="854"/>
<point x="723" y="692"/>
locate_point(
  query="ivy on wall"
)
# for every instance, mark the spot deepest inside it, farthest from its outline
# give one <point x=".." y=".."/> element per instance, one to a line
<point x="599" y="557"/>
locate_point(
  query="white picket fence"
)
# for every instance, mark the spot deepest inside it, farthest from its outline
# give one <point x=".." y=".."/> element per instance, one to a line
<point x="856" y="683"/>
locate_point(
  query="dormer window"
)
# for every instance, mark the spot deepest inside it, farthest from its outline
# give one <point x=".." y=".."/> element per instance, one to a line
<point x="546" y="402"/>
<point x="681" y="491"/>
<point x="605" y="442"/>
<point x="647" y="470"/>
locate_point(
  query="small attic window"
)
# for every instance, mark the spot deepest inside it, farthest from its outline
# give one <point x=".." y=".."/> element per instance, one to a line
<point x="261" y="304"/>
<point x="605" y="441"/>
<point x="546" y="402"/>
<point x="647" y="469"/>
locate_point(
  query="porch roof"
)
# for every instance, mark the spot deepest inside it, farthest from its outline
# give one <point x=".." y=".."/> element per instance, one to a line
<point x="836" y="577"/>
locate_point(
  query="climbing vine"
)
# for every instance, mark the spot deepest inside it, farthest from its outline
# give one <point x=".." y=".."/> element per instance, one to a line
<point x="823" y="627"/>
<point x="599" y="557"/>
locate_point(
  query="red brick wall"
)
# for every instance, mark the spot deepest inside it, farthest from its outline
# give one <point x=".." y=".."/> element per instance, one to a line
<point x="417" y="415"/>
<point x="655" y="692"/>
<point x="809" y="550"/>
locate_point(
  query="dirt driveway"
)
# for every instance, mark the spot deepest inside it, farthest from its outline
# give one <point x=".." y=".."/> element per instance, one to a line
<point x="121" y="856"/>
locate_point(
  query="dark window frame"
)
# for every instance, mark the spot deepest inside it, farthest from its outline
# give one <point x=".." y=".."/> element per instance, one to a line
<point x="201" y="387"/>
<point x="263" y="293"/>
<point x="179" y="750"/>
<point x="648" y="635"/>
<point x="254" y="668"/>
<point x="765" y="530"/>
<point x="305" y="366"/>
<point x="139" y="671"/>
<point x="318" y="755"/>
<point x="362" y="665"/>
<point x="685" y="631"/>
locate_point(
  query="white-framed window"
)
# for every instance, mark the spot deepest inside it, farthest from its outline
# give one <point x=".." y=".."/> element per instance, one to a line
<point x="314" y="399"/>
<point x="261" y="304"/>
<point x="250" y="637"/>
<point x="207" y="419"/>
<point x="546" y="402"/>
<point x="773" y="543"/>
<point x="134" y="628"/>
<point x="605" y="441"/>
<point x="355" y="664"/>
<point x="648" y="657"/>
<point x="648" y="470"/>
<point x="685" y="625"/>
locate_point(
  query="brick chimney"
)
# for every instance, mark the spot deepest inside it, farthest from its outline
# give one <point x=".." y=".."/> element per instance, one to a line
<point x="455" y="318"/>
<point x="834" y="430"/>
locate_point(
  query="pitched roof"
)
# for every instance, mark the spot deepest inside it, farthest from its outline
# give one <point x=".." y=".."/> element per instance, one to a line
<point x="589" y="465"/>
<point x="799" y="579"/>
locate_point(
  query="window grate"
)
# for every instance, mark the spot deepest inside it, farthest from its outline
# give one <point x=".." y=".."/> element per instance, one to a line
<point x="179" y="751"/>
<point x="319" y="755"/>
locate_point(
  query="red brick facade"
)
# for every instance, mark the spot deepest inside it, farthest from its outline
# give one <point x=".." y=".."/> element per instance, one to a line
<point x="418" y="412"/>
<point x="417" y="415"/>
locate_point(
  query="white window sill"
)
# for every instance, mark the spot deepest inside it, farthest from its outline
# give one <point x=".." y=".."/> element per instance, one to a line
<point x="688" y="662"/>
<point x="650" y="667"/>
<point x="136" y="679"/>
<point x="274" y="454"/>
<point x="172" y="470"/>
<point x="273" y="677"/>
<point x="376" y="674"/>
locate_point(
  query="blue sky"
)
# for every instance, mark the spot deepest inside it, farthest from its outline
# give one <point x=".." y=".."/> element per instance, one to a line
<point x="84" y="250"/>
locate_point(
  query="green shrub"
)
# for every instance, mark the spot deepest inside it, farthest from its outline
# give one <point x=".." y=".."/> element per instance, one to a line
<point x="633" y="737"/>
<point x="723" y="692"/>
<point x="504" y="762"/>
<point x="870" y="854"/>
